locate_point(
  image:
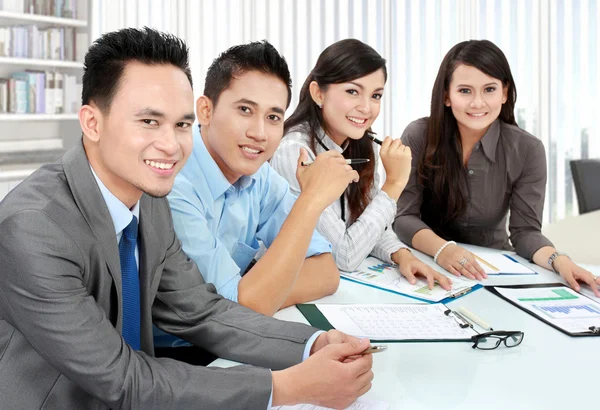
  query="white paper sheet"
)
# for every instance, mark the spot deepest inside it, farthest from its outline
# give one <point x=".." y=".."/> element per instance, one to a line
<point x="360" y="404"/>
<point x="503" y="264"/>
<point x="396" y="321"/>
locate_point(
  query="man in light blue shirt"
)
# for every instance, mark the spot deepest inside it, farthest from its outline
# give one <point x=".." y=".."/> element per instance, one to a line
<point x="227" y="198"/>
<point x="221" y="224"/>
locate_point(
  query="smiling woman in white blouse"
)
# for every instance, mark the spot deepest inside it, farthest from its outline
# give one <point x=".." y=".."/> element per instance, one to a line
<point x="339" y="102"/>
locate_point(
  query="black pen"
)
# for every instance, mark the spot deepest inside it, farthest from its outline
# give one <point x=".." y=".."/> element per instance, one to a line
<point x="348" y="161"/>
<point x="375" y="140"/>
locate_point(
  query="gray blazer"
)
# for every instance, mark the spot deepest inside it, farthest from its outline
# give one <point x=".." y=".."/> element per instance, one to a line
<point x="61" y="319"/>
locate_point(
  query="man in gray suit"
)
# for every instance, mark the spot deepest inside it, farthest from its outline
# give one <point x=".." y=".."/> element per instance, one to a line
<point x="76" y="313"/>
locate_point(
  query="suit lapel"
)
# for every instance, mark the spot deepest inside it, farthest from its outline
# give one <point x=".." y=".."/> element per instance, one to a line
<point x="90" y="202"/>
<point x="149" y="246"/>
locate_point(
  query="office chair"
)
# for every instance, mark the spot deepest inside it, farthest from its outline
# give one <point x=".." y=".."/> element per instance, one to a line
<point x="586" y="177"/>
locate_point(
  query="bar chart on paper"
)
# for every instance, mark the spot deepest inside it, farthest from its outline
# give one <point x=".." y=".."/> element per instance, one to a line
<point x="385" y="276"/>
<point x="560" y="306"/>
<point x="568" y="311"/>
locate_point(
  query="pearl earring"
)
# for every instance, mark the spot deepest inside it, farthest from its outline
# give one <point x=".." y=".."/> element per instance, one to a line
<point x="320" y="105"/>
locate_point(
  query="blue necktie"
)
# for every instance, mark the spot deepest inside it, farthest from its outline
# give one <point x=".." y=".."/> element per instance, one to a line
<point x="131" y="285"/>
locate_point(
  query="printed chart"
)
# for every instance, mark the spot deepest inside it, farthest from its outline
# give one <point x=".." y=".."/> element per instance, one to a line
<point x="386" y="276"/>
<point x="560" y="306"/>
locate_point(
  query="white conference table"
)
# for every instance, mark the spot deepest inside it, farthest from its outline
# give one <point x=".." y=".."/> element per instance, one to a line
<point x="549" y="370"/>
<point x="577" y="236"/>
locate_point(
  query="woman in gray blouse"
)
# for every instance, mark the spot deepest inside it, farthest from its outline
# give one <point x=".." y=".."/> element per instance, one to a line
<point x="471" y="165"/>
<point x="339" y="102"/>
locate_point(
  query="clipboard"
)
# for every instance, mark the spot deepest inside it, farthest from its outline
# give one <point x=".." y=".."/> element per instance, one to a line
<point x="545" y="316"/>
<point x="317" y="319"/>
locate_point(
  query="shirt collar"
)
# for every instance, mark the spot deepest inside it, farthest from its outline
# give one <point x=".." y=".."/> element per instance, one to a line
<point x="120" y="214"/>
<point x="202" y="163"/>
<point x="489" y="142"/>
<point x="329" y="143"/>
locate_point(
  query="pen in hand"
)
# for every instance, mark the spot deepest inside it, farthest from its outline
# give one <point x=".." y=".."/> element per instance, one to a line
<point x="375" y="349"/>
<point x="348" y="161"/>
<point x="375" y="140"/>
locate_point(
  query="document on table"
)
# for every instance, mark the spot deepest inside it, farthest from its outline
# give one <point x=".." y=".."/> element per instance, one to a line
<point x="359" y="404"/>
<point x="497" y="263"/>
<point x="557" y="305"/>
<point x="396" y="322"/>
<point x="373" y="272"/>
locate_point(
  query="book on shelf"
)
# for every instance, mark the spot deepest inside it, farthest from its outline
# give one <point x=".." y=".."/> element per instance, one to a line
<point x="39" y="92"/>
<point x="54" y="8"/>
<point x="54" y="43"/>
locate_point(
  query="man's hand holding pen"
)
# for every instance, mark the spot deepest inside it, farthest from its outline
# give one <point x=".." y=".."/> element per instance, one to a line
<point x="335" y="374"/>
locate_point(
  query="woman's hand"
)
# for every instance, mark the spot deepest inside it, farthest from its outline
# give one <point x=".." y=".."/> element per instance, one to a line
<point x="459" y="261"/>
<point x="396" y="159"/>
<point x="573" y="274"/>
<point x="410" y="266"/>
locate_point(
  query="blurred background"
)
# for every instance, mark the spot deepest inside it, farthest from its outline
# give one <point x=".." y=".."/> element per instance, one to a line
<point x="552" y="46"/>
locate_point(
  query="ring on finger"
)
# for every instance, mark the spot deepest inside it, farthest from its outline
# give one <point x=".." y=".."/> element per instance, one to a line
<point x="463" y="261"/>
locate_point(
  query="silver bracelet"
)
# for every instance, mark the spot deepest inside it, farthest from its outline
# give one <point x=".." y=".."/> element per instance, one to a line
<point x="553" y="257"/>
<point x="441" y="249"/>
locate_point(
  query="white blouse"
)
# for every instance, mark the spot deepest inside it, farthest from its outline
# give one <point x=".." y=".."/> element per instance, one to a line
<point x="371" y="233"/>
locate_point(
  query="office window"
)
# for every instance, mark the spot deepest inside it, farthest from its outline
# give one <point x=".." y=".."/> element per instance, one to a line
<point x="552" y="47"/>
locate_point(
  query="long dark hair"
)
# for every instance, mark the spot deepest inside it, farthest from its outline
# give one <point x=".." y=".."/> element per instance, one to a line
<point x="441" y="168"/>
<point x="343" y="61"/>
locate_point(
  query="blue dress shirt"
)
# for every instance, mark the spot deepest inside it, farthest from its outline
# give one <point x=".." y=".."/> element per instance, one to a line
<point x="220" y="225"/>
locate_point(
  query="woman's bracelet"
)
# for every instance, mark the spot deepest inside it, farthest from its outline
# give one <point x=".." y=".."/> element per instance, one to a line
<point x="441" y="249"/>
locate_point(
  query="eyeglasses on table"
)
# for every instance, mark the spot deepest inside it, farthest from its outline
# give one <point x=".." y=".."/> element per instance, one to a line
<point x="491" y="340"/>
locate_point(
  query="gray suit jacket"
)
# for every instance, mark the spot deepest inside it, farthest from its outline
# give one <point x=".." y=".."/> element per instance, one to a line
<point x="61" y="318"/>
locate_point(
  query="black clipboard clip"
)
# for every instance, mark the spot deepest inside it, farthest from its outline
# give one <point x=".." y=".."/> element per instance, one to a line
<point x="458" y="318"/>
<point x="595" y="330"/>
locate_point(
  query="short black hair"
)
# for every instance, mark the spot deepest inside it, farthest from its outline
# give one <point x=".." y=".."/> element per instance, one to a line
<point x="106" y="59"/>
<point x="237" y="60"/>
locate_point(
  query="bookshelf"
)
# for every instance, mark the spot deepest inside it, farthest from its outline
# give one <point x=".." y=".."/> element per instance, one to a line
<point x="32" y="136"/>
<point x="9" y="18"/>
<point x="39" y="117"/>
<point x="20" y="62"/>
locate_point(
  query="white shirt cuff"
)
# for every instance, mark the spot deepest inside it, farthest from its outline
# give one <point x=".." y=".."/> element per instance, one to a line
<point x="271" y="398"/>
<point x="310" y="343"/>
